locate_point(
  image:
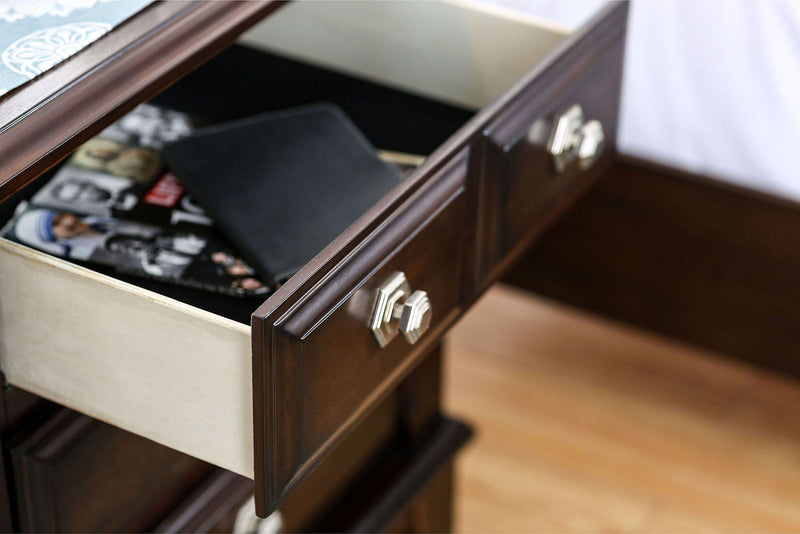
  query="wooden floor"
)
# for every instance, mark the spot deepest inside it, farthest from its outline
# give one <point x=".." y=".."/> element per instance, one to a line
<point x="584" y="425"/>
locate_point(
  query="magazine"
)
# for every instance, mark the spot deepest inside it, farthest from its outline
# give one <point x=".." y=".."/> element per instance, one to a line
<point x="112" y="203"/>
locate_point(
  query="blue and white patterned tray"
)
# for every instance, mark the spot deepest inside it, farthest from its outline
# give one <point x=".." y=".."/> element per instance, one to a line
<point x="35" y="35"/>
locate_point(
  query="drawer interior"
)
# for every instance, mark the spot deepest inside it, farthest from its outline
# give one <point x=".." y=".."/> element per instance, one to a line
<point x="163" y="361"/>
<point x="242" y="82"/>
<point x="436" y="83"/>
<point x="174" y="364"/>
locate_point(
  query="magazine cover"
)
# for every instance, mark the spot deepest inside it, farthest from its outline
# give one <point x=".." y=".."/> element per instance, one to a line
<point x="112" y="203"/>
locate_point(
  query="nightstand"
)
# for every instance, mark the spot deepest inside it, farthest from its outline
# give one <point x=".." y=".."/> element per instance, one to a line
<point x="326" y="398"/>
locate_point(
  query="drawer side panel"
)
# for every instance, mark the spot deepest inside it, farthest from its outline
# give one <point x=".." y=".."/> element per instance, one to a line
<point x="459" y="52"/>
<point x="142" y="362"/>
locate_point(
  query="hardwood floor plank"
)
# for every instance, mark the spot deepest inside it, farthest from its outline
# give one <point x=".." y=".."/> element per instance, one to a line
<point x="585" y="425"/>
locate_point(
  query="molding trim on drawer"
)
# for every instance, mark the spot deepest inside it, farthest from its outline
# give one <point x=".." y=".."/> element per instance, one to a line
<point x="400" y="480"/>
<point x="269" y="402"/>
<point x="520" y="191"/>
<point x="289" y="353"/>
<point x="317" y="367"/>
<point x="71" y="460"/>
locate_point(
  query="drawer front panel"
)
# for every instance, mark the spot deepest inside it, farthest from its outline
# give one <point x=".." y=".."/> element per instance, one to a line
<point x="212" y="507"/>
<point x="323" y="366"/>
<point x="409" y="490"/>
<point x="77" y="474"/>
<point x="522" y="189"/>
<point x="451" y="227"/>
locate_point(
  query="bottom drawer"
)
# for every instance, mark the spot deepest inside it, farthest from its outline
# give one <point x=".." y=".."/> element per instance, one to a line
<point x="213" y="507"/>
<point x="408" y="491"/>
<point x="432" y="508"/>
<point x="77" y="474"/>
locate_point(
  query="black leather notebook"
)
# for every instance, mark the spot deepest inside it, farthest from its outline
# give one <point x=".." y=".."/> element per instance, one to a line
<point x="282" y="185"/>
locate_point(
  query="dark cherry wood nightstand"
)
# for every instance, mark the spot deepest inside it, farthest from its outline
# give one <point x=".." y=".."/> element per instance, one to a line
<point x="160" y="412"/>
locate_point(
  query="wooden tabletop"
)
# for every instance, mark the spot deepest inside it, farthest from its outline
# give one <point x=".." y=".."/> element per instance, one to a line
<point x="42" y="121"/>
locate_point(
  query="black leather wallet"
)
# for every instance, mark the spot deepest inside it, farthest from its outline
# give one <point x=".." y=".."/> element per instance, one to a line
<point x="282" y="185"/>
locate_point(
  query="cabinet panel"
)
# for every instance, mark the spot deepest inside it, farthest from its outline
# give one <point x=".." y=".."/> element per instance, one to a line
<point x="184" y="376"/>
<point x="522" y="188"/>
<point x="77" y="474"/>
<point x="318" y="366"/>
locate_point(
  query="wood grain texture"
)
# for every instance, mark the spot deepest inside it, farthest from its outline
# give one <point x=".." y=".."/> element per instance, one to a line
<point x="314" y="371"/>
<point x="432" y="509"/>
<point x="76" y="474"/>
<point x="407" y="486"/>
<point x="21" y="409"/>
<point x="7" y="512"/>
<point x="385" y="469"/>
<point x="402" y="490"/>
<point x="20" y="413"/>
<point x="326" y="370"/>
<point x="521" y="193"/>
<point x="325" y="487"/>
<point x="683" y="255"/>
<point x="23" y="99"/>
<point x="212" y="507"/>
<point x="41" y="122"/>
<point x="148" y="364"/>
<point x="288" y="323"/>
<point x="584" y="425"/>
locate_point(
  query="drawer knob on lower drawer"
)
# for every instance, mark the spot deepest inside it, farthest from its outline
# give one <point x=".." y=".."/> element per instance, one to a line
<point x="398" y="309"/>
<point x="574" y="138"/>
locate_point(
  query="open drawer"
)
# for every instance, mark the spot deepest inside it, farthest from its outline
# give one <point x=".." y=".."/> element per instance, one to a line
<point x="270" y="399"/>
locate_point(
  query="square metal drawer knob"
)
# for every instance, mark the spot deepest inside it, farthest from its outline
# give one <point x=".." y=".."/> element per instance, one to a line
<point x="398" y="309"/>
<point x="416" y="316"/>
<point x="592" y="143"/>
<point x="565" y="137"/>
<point x="574" y="138"/>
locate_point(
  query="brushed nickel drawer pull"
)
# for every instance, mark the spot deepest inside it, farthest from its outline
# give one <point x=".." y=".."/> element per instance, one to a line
<point x="398" y="309"/>
<point x="416" y="316"/>
<point x="574" y="138"/>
